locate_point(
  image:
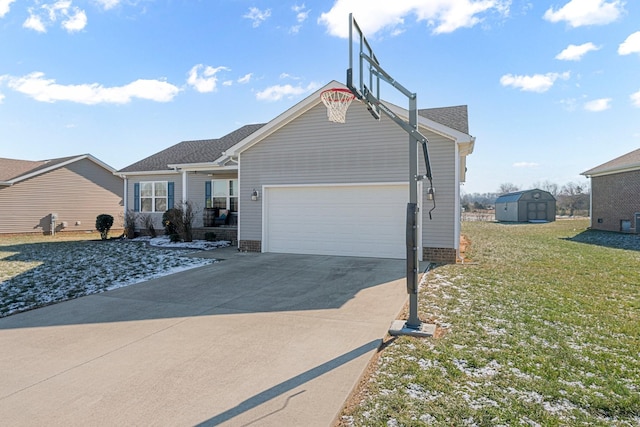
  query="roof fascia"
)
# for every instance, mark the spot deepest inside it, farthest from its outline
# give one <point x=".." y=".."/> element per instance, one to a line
<point x="440" y="129"/>
<point x="613" y="170"/>
<point x="202" y="167"/>
<point x="140" y="173"/>
<point x="281" y="120"/>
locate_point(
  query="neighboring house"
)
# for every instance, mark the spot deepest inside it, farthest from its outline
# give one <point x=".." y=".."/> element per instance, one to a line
<point x="65" y="194"/>
<point x="302" y="184"/>
<point x="526" y="206"/>
<point x="615" y="194"/>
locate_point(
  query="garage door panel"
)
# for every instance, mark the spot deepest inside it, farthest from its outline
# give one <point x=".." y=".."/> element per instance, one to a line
<point x="336" y="220"/>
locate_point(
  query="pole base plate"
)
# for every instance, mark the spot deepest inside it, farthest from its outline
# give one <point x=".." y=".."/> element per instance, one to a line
<point x="399" y="327"/>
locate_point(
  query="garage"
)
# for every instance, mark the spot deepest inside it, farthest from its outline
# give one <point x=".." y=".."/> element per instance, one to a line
<point x="348" y="220"/>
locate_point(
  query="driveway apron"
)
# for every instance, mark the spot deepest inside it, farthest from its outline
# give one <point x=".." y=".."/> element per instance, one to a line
<point x="255" y="339"/>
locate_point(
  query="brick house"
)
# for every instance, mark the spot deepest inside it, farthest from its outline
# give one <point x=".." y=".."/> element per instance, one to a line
<point x="615" y="194"/>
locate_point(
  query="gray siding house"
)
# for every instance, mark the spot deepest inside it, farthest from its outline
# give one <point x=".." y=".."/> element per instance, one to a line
<point x="76" y="189"/>
<point x="615" y="194"/>
<point x="302" y="184"/>
<point x="526" y="206"/>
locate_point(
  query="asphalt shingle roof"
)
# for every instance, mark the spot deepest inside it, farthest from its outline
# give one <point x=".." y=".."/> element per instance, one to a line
<point x="11" y="169"/>
<point x="198" y="151"/>
<point x="629" y="160"/>
<point x="456" y="117"/>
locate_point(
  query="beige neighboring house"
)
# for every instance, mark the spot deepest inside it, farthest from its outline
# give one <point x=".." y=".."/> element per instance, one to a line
<point x="58" y="195"/>
<point x="615" y="194"/>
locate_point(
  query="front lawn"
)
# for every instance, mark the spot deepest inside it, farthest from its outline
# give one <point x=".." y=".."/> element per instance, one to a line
<point x="540" y="328"/>
<point x="39" y="270"/>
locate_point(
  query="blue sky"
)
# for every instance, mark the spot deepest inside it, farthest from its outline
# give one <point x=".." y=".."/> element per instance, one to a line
<point x="552" y="86"/>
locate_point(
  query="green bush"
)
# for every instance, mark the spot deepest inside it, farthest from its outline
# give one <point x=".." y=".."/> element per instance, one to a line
<point x="103" y="225"/>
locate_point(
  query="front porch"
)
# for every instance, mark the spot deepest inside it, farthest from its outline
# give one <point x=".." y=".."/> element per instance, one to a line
<point x="227" y="232"/>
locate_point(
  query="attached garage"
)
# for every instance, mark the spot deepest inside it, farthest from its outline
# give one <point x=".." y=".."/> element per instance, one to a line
<point x="366" y="220"/>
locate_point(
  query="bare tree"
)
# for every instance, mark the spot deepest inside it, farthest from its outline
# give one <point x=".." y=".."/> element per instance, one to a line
<point x="574" y="196"/>
<point x="507" y="187"/>
<point x="547" y="185"/>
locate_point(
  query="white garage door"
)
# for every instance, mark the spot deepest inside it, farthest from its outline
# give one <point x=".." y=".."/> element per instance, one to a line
<point x="350" y="220"/>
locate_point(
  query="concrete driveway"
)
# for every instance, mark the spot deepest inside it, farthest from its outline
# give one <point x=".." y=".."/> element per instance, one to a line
<point x="257" y="339"/>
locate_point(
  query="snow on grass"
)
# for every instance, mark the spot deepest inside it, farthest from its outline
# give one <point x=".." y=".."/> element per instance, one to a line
<point x="542" y="330"/>
<point x="37" y="274"/>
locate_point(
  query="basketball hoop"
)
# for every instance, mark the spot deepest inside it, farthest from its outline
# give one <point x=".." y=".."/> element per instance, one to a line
<point x="337" y="101"/>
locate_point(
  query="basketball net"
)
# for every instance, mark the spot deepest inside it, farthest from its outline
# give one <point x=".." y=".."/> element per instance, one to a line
<point x="337" y="101"/>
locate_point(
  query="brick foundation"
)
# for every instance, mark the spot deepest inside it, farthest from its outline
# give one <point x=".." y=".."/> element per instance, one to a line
<point x="250" y="245"/>
<point x="440" y="255"/>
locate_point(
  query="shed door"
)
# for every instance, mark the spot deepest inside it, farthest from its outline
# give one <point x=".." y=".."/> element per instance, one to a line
<point x="348" y="220"/>
<point x="536" y="211"/>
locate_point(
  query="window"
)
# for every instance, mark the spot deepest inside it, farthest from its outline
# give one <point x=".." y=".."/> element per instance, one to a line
<point x="224" y="194"/>
<point x="154" y="196"/>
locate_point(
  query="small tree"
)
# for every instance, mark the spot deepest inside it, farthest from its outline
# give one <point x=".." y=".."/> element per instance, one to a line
<point x="103" y="225"/>
<point x="130" y="218"/>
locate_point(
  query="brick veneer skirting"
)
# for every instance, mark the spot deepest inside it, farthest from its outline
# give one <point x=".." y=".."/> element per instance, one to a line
<point x="250" y="245"/>
<point x="440" y="255"/>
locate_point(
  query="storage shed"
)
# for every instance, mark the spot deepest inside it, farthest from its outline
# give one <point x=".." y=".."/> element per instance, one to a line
<point x="526" y="206"/>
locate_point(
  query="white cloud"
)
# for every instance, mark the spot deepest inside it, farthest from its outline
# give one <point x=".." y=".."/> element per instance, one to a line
<point x="108" y="4"/>
<point x="257" y="16"/>
<point x="245" y="79"/>
<point x="1" y="98"/>
<point x="598" y="105"/>
<point x="5" y="5"/>
<point x="630" y="45"/>
<point x="77" y="22"/>
<point x="41" y="89"/>
<point x="73" y="18"/>
<point x="33" y="22"/>
<point x="525" y="165"/>
<point x="203" y="79"/>
<point x="576" y="52"/>
<point x="635" y="99"/>
<point x="535" y="83"/>
<point x="444" y="16"/>
<point x="277" y="92"/>
<point x="578" y="13"/>
<point x="302" y="13"/>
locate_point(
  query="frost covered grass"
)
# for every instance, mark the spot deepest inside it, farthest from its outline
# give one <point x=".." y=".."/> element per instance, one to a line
<point x="541" y="329"/>
<point x="39" y="270"/>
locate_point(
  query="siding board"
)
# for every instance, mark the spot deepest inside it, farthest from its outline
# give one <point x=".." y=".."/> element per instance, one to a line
<point x="311" y="150"/>
<point x="77" y="192"/>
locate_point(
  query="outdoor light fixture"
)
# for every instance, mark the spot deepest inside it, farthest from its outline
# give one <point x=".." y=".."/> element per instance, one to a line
<point x="255" y="195"/>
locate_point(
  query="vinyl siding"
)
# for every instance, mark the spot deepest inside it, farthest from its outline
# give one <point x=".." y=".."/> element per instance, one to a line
<point x="78" y="193"/>
<point x="312" y="150"/>
<point x="195" y="189"/>
<point x="176" y="178"/>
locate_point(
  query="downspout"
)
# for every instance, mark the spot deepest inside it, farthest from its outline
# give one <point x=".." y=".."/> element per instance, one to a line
<point x="126" y="195"/>
<point x="184" y="187"/>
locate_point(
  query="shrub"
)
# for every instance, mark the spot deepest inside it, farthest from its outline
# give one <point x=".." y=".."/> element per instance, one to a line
<point x="130" y="218"/>
<point x="103" y="225"/>
<point x="147" y="222"/>
<point x="171" y="221"/>
<point x="210" y="236"/>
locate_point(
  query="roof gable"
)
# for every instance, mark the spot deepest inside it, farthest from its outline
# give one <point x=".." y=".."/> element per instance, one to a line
<point x="625" y="163"/>
<point x="13" y="171"/>
<point x="427" y="118"/>
<point x="185" y="152"/>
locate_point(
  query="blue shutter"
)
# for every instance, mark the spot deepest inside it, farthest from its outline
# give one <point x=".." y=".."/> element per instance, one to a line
<point x="207" y="194"/>
<point x="169" y="195"/>
<point x="136" y="197"/>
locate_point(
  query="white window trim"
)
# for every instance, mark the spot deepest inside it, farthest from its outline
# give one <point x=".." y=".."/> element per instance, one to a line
<point x="228" y="192"/>
<point x="154" y="197"/>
